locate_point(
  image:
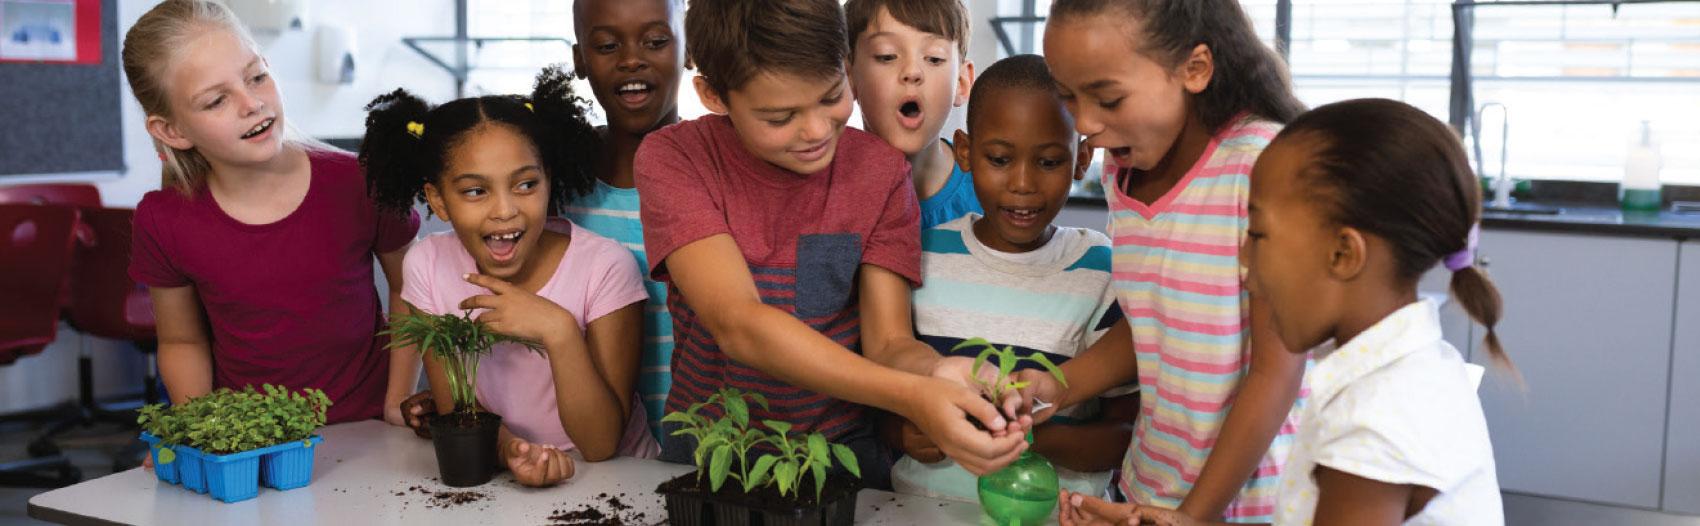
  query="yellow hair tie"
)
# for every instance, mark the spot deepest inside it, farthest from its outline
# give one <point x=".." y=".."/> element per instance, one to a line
<point x="416" y="129"/>
<point x="528" y="107"/>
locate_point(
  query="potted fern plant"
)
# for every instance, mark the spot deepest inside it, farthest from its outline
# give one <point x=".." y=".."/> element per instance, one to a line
<point x="771" y="466"/>
<point x="465" y="439"/>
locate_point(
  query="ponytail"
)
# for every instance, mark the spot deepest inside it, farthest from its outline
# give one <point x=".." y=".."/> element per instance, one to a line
<point x="390" y="152"/>
<point x="568" y="144"/>
<point x="1480" y="299"/>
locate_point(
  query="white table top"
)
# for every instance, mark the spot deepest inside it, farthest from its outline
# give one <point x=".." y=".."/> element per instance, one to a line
<point x="361" y="467"/>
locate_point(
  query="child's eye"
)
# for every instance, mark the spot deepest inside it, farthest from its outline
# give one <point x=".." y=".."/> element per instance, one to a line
<point x="215" y="103"/>
<point x="259" y="78"/>
<point x="1050" y="164"/>
<point x="885" y="58"/>
<point x="779" y="122"/>
<point x="527" y="186"/>
<point x="997" y="161"/>
<point x="936" y="61"/>
<point x="606" y="47"/>
<point x="472" y="192"/>
<point x="1111" y="104"/>
<point x="658" y="43"/>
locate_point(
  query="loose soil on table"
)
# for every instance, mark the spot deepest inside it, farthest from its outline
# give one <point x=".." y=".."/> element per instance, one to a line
<point x="445" y="499"/>
<point x="604" y="510"/>
<point x="766" y="498"/>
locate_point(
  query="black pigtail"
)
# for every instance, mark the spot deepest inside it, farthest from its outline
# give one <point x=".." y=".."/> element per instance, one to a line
<point x="390" y="152"/>
<point x="576" y="146"/>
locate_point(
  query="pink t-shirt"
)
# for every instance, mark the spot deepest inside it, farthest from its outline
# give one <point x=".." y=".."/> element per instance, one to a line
<point x="292" y="302"/>
<point x="596" y="277"/>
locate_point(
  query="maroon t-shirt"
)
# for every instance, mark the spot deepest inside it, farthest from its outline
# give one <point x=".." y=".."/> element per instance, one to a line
<point x="293" y="302"/>
<point x="803" y="237"/>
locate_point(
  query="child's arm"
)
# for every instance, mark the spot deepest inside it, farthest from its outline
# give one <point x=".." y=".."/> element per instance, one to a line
<point x="593" y="406"/>
<point x="1344" y="498"/>
<point x="1260" y="406"/>
<point x="1094" y="446"/>
<point x="715" y="281"/>
<point x="185" y="355"/>
<point x="404" y="362"/>
<point x="1106" y="364"/>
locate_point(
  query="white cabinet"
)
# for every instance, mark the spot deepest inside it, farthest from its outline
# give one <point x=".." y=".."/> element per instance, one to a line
<point x="1682" y="445"/>
<point x="1588" y="325"/>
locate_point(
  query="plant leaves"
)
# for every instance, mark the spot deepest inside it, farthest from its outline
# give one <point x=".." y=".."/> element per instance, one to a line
<point x="718" y="466"/>
<point x="786" y="475"/>
<point x="759" y="473"/>
<point x="817" y="449"/>
<point x="820" y="479"/>
<point x="847" y="459"/>
<point x="1052" y="368"/>
<point x="777" y="426"/>
<point x="739" y="411"/>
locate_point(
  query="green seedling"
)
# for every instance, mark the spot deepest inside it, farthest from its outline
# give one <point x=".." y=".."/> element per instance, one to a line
<point x="455" y="341"/>
<point x="1007" y="360"/>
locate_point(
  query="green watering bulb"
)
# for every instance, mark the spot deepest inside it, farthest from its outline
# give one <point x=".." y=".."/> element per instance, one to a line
<point x="1024" y="493"/>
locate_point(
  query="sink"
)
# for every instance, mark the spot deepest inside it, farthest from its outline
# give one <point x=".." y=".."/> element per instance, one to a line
<point x="1524" y="209"/>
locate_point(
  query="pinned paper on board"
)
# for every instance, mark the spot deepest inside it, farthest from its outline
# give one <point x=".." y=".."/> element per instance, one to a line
<point x="55" y="31"/>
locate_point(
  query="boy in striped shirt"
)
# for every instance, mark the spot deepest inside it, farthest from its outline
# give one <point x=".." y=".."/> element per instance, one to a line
<point x="1015" y="279"/>
<point x="630" y="52"/>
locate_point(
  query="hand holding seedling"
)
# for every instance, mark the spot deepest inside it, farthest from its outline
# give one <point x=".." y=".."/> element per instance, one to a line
<point x="941" y="409"/>
<point x="520" y="313"/>
<point x="918" y="446"/>
<point x="964" y="371"/>
<point x="536" y="465"/>
<point x="1040" y="386"/>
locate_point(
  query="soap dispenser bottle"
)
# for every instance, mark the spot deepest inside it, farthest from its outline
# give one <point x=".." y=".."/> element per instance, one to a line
<point x="1640" y="189"/>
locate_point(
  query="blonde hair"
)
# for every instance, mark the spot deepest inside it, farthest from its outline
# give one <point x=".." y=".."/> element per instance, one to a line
<point x="149" y="48"/>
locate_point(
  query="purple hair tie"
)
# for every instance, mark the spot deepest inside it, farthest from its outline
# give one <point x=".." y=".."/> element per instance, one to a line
<point x="1463" y="259"/>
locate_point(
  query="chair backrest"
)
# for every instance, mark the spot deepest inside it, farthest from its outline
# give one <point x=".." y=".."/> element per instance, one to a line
<point x="105" y="302"/>
<point x="74" y="194"/>
<point x="35" y="251"/>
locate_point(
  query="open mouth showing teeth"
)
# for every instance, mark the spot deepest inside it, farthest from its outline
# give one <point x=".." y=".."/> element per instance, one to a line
<point x="1022" y="214"/>
<point x="632" y="88"/>
<point x="502" y="245"/>
<point x="259" y="128"/>
<point x="910" y="109"/>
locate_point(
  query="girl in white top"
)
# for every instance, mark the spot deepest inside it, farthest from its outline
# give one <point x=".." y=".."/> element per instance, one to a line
<point x="1350" y="205"/>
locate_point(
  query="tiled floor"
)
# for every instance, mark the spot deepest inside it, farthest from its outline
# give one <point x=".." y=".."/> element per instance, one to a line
<point x="91" y="450"/>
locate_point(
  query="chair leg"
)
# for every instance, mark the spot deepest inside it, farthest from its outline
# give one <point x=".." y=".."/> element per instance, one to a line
<point x="54" y="472"/>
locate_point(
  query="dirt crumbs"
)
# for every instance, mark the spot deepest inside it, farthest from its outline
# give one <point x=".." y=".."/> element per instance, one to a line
<point x="604" y="510"/>
<point x="447" y="499"/>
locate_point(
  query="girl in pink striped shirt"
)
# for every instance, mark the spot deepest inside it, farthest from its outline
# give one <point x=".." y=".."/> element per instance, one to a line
<point x="1185" y="115"/>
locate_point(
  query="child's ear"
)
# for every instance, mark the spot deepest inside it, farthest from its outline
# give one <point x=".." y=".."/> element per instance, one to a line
<point x="163" y="131"/>
<point x="1198" y="69"/>
<point x="578" y="62"/>
<point x="434" y="199"/>
<point x="959" y="147"/>
<point x="706" y="94"/>
<point x="1351" y="251"/>
<point x="964" y="82"/>
<point x="1082" y="160"/>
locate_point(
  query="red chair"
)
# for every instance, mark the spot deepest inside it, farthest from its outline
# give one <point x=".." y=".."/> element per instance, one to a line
<point x="106" y="303"/>
<point x="67" y="194"/>
<point x="35" y="251"/>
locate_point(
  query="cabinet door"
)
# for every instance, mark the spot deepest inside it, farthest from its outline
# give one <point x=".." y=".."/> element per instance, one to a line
<point x="1587" y="322"/>
<point x="1682" y="453"/>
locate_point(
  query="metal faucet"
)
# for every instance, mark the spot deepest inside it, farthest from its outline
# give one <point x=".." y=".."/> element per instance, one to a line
<point x="1502" y="184"/>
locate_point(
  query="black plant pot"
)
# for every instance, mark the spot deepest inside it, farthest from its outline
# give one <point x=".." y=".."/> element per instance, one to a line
<point x="689" y="504"/>
<point x="466" y="447"/>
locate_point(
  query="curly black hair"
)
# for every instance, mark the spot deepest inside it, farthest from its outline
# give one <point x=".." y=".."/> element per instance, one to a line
<point x="398" y="163"/>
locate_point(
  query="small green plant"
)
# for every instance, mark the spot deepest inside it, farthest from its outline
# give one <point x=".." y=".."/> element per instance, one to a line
<point x="455" y="341"/>
<point x="1007" y="360"/>
<point x="722" y="441"/>
<point x="227" y="421"/>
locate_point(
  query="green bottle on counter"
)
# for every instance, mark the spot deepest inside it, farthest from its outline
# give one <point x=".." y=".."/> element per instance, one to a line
<point x="1023" y="493"/>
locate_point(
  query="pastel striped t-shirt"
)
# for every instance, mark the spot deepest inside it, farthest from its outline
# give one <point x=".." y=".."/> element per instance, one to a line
<point x="612" y="212"/>
<point x="1176" y="272"/>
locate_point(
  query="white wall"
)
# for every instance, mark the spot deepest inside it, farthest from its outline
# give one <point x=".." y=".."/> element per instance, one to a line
<point x="317" y="109"/>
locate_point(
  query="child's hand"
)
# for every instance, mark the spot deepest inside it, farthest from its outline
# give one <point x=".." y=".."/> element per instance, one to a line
<point x="518" y="312"/>
<point x="413" y="411"/>
<point x="1161" y="517"/>
<point x="1074" y="509"/>
<point x="940" y="409"/>
<point x="918" y="446"/>
<point x="1041" y="386"/>
<point x="536" y="465"/>
<point x="960" y="369"/>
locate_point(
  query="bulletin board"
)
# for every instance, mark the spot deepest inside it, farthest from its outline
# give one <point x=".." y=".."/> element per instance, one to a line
<point x="59" y="87"/>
